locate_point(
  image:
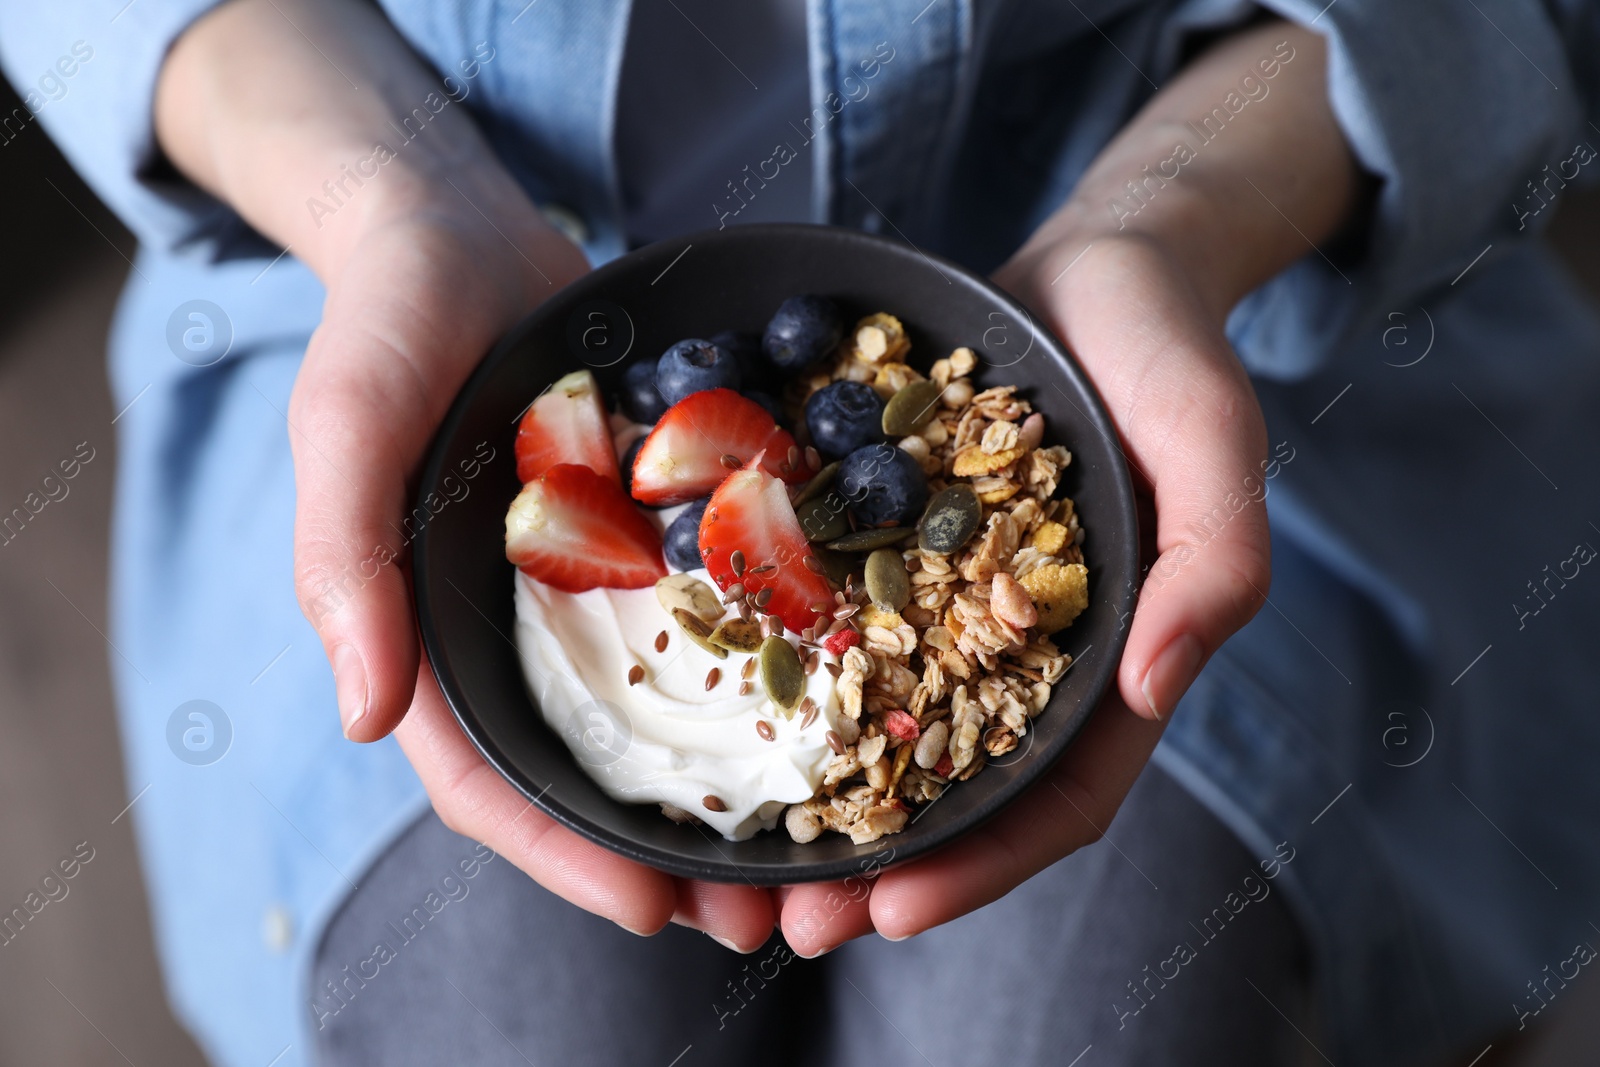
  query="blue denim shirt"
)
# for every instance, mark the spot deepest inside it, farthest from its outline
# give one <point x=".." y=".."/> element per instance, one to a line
<point x="1409" y="713"/>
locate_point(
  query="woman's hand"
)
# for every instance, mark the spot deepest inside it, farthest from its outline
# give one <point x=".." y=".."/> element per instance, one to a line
<point x="426" y="264"/>
<point x="1142" y="303"/>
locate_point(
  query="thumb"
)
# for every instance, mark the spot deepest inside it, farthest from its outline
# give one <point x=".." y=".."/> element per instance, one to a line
<point x="1192" y="428"/>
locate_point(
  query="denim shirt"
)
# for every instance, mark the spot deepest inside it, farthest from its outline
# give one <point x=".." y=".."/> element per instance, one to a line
<point x="1408" y="715"/>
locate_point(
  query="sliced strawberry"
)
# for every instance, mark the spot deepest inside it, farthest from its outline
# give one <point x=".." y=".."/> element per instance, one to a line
<point x="567" y="424"/>
<point x="574" y="530"/>
<point x="750" y="512"/>
<point x="682" y="459"/>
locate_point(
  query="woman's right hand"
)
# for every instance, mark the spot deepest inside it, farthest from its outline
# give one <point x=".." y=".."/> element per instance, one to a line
<point x="425" y="265"/>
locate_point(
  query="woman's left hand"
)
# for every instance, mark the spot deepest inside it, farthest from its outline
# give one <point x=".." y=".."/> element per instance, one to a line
<point x="1140" y="294"/>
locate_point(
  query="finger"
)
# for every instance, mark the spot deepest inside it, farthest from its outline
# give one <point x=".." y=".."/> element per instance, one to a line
<point x="398" y="337"/>
<point x="472" y="799"/>
<point x="741" y="917"/>
<point x="1070" y="808"/>
<point x="820" y="916"/>
<point x="1190" y="426"/>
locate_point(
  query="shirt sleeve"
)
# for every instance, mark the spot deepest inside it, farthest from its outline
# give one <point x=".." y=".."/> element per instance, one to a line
<point x="86" y="72"/>
<point x="1470" y="117"/>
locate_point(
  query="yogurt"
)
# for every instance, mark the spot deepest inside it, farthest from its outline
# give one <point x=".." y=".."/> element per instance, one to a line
<point x="667" y="738"/>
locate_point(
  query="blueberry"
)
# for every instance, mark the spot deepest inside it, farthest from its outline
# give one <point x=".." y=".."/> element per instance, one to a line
<point x="692" y="365"/>
<point x="883" y="484"/>
<point x="843" y="417"/>
<point x="767" y="401"/>
<point x="805" y="329"/>
<point x="682" y="542"/>
<point x="755" y="370"/>
<point x="627" y="465"/>
<point x="640" y="397"/>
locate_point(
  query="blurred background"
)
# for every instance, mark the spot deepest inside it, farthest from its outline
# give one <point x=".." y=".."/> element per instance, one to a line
<point x="80" y="984"/>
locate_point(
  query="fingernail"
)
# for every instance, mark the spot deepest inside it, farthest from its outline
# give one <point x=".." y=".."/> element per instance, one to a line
<point x="350" y="683"/>
<point x="729" y="945"/>
<point x="817" y="954"/>
<point x="1171" y="673"/>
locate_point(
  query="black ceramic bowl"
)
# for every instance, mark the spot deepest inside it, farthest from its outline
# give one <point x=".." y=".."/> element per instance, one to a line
<point x="635" y="307"/>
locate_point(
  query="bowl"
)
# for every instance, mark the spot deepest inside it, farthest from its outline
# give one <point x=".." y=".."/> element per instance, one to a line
<point x="635" y="307"/>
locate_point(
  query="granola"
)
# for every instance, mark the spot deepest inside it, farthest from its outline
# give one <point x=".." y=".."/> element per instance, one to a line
<point x="934" y="691"/>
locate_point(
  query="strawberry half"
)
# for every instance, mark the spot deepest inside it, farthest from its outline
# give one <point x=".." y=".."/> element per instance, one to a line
<point x="573" y="529"/>
<point x="750" y="512"/>
<point x="567" y="424"/>
<point x="682" y="459"/>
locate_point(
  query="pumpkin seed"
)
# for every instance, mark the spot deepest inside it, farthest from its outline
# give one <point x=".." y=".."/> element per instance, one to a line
<point x="782" y="675"/>
<point x="698" y="631"/>
<point x="910" y="408"/>
<point x="835" y="566"/>
<point x="736" y="635"/>
<point x="887" y="582"/>
<point x="823" y="519"/>
<point x="689" y="593"/>
<point x="950" y="521"/>
<point x="867" y="540"/>
<point x="819" y="482"/>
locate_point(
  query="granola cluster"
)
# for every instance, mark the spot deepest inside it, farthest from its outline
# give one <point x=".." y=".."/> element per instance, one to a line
<point x="932" y="692"/>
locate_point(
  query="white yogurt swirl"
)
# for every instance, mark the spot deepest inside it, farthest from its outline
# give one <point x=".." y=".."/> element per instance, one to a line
<point x="666" y="738"/>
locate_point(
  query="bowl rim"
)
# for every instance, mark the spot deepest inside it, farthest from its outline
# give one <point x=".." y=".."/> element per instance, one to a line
<point x="1120" y="555"/>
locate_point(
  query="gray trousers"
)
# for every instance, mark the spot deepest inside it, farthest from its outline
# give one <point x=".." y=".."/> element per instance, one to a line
<point x="1083" y="960"/>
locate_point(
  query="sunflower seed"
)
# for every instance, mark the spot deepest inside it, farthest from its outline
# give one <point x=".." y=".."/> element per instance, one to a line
<point x="698" y="630"/>
<point x="737" y="635"/>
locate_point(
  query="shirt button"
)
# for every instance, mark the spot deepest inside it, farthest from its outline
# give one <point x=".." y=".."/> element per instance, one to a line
<point x="277" y="928"/>
<point x="567" y="221"/>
